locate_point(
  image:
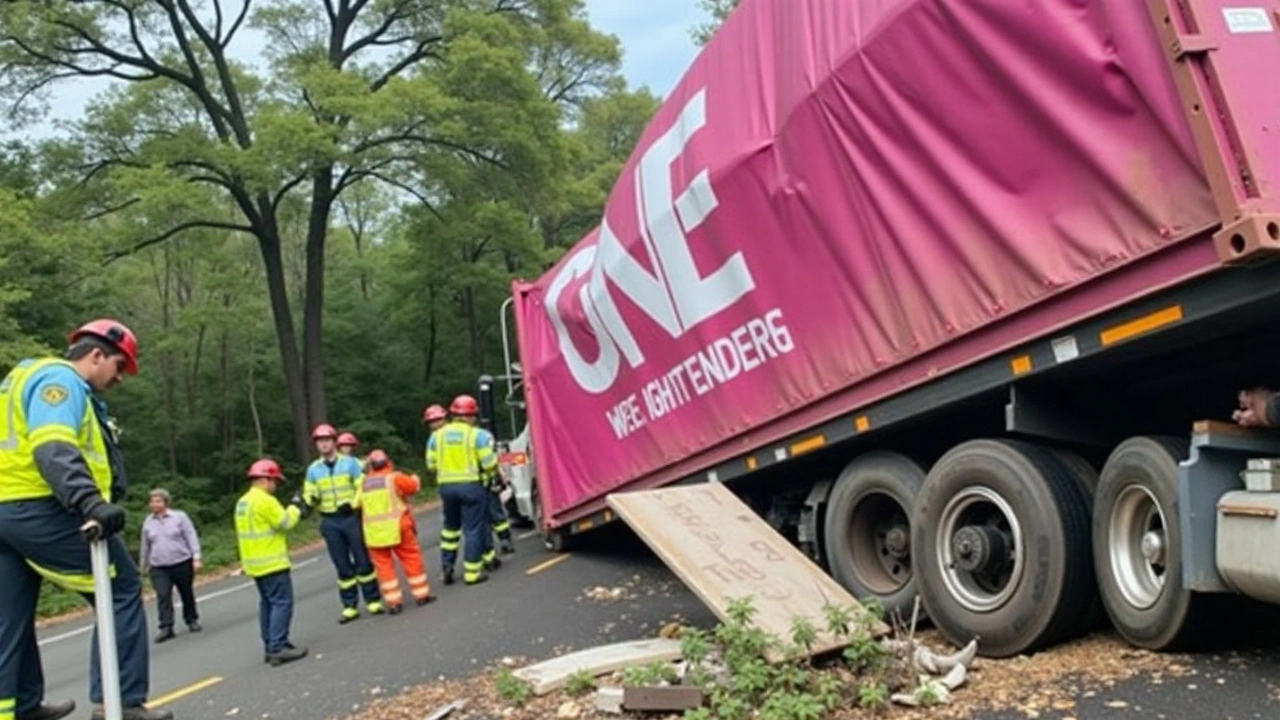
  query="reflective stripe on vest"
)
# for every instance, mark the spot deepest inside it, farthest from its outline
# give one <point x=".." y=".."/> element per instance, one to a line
<point x="20" y="478"/>
<point x="263" y="549"/>
<point x="456" y="460"/>
<point x="382" y="510"/>
<point x="334" y="489"/>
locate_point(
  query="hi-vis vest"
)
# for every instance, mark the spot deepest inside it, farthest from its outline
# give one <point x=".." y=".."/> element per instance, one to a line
<point x="333" y="487"/>
<point x="20" y="478"/>
<point x="382" y="507"/>
<point x="455" y="457"/>
<point x="261" y="524"/>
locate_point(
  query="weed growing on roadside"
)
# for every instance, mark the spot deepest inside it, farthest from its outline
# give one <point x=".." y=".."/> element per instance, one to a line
<point x="580" y="683"/>
<point x="731" y="664"/>
<point x="511" y="688"/>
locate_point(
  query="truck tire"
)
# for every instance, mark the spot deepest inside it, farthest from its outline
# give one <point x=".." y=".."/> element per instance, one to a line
<point x="867" y="528"/>
<point x="1137" y="546"/>
<point x="1000" y="541"/>
<point x="1087" y="480"/>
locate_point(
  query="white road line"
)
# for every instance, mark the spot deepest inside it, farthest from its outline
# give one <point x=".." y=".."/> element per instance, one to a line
<point x="526" y="536"/>
<point x="177" y="604"/>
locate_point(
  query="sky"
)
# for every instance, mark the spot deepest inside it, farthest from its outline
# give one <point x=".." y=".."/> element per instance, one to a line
<point x="654" y="34"/>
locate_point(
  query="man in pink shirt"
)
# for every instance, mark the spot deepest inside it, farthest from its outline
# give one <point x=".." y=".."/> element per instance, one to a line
<point x="170" y="549"/>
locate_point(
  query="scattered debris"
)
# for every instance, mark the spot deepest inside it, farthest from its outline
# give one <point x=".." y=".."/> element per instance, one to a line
<point x="662" y="698"/>
<point x="445" y="711"/>
<point x="604" y="595"/>
<point x="554" y="674"/>
<point x="609" y="700"/>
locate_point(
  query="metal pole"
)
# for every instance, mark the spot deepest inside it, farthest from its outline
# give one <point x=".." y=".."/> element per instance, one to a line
<point x="506" y="359"/>
<point x="104" y="606"/>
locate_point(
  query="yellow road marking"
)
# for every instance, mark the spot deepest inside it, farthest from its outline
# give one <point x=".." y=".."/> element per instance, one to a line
<point x="183" y="692"/>
<point x="546" y="565"/>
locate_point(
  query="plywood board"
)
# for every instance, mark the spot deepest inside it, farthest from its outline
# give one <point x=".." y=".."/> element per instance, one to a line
<point x="723" y="551"/>
<point x="553" y="674"/>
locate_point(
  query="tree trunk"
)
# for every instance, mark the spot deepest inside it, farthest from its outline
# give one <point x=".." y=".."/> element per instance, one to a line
<point x="294" y="380"/>
<point x="313" y="308"/>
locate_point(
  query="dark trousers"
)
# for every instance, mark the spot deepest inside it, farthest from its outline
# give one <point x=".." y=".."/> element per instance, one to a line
<point x="466" y="508"/>
<point x="344" y="538"/>
<point x="498" y="517"/>
<point x="164" y="579"/>
<point x="40" y="535"/>
<point x="275" y="609"/>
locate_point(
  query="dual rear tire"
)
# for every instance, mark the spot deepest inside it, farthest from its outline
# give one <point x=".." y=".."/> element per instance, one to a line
<point x="1019" y="545"/>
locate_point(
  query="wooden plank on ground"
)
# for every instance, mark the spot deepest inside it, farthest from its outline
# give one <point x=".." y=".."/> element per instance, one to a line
<point x="553" y="674"/>
<point x="723" y="551"/>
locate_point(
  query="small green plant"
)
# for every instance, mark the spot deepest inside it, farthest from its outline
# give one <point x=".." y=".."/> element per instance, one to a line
<point x="580" y="683"/>
<point x="927" y="696"/>
<point x="701" y="713"/>
<point x="655" y="673"/>
<point x="873" y="695"/>
<point x="511" y="688"/>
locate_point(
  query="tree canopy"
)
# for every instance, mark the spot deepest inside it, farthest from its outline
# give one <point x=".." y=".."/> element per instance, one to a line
<point x="308" y="210"/>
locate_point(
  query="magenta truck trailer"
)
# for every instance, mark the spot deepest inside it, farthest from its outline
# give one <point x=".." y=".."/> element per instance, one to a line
<point x="952" y="292"/>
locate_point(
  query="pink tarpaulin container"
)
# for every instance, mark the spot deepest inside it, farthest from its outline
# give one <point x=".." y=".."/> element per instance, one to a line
<point x="841" y="200"/>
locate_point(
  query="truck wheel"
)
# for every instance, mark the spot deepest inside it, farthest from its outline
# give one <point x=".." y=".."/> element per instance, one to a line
<point x="1137" y="545"/>
<point x="1087" y="480"/>
<point x="1000" y="537"/>
<point x="867" y="528"/>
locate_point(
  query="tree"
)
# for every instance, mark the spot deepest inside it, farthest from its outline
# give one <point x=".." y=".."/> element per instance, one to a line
<point x="719" y="11"/>
<point x="359" y="90"/>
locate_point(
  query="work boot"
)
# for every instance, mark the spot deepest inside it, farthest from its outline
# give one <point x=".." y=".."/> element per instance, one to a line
<point x="134" y="712"/>
<point x="448" y="576"/>
<point x="492" y="563"/>
<point x="375" y="607"/>
<point x="507" y="547"/>
<point x="165" y="635"/>
<point x="266" y="657"/>
<point x="50" y="711"/>
<point x="394" y="609"/>
<point x="289" y="654"/>
<point x="348" y="614"/>
<point x="194" y="627"/>
<point x="425" y="600"/>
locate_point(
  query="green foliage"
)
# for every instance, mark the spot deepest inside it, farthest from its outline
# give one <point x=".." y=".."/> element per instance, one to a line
<point x="792" y="687"/>
<point x="580" y="683"/>
<point x="719" y="11"/>
<point x="326" y="235"/>
<point x="511" y="688"/>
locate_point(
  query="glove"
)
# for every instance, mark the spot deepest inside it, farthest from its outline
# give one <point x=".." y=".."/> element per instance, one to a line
<point x="303" y="508"/>
<point x="110" y="520"/>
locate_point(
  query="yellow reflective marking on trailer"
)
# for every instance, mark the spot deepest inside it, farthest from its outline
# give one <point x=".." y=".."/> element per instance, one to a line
<point x="1142" y="325"/>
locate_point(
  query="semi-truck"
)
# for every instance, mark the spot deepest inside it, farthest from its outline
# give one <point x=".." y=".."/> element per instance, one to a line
<point x="958" y="294"/>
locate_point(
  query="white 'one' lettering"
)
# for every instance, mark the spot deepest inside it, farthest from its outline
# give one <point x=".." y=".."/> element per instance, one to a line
<point x="675" y="295"/>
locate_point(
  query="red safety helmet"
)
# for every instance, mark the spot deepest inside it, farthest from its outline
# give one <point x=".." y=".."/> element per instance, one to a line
<point x="265" y="468"/>
<point x="433" y="413"/>
<point x="117" y="334"/>
<point x="347" y="438"/>
<point x="324" y="430"/>
<point x="464" y="405"/>
<point x="378" y="459"/>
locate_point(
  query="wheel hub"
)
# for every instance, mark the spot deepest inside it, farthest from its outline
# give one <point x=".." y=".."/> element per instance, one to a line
<point x="1153" y="547"/>
<point x="979" y="548"/>
<point x="898" y="542"/>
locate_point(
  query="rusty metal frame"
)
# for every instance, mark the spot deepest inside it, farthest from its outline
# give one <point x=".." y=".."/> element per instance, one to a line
<point x="1250" y="219"/>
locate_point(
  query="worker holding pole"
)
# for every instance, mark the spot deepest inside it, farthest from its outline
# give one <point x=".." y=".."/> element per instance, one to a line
<point x="61" y="475"/>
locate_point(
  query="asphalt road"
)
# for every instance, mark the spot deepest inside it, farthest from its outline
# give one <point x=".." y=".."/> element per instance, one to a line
<point x="533" y="607"/>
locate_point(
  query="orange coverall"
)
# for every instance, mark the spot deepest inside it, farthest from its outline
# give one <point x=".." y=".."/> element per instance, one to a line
<point x="402" y="487"/>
